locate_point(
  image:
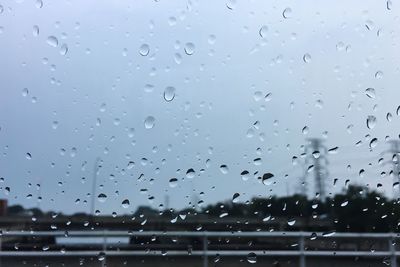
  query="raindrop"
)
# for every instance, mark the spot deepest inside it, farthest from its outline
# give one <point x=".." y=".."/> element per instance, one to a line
<point x="389" y="5"/>
<point x="190" y="173"/>
<point x="169" y="93"/>
<point x="245" y="175"/>
<point x="231" y="4"/>
<point x="52" y="41"/>
<point x="379" y="74"/>
<point x="39" y="3"/>
<point x="149" y="122"/>
<point x="305" y="130"/>
<point x="252" y="257"/>
<point x="63" y="50"/>
<point x="373" y="143"/>
<point x="28" y="156"/>
<point x="35" y="31"/>
<point x="144" y="50"/>
<point x="307" y="58"/>
<point x="125" y="203"/>
<point x="266" y="178"/>
<point x="189" y="49"/>
<point x="370" y="92"/>
<point x="287" y="13"/>
<point x="263" y="31"/>
<point x="235" y="197"/>
<point x="224" y="169"/>
<point x="173" y="182"/>
<point x="25" y="92"/>
<point x="101" y="256"/>
<point x="291" y="222"/>
<point x="371" y="122"/>
<point x="102" y="197"/>
<point x="344" y="203"/>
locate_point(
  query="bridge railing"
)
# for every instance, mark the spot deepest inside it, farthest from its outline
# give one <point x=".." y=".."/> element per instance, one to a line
<point x="298" y="250"/>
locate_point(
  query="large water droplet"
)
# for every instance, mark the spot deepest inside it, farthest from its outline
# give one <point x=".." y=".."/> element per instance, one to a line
<point x="149" y="122"/>
<point x="190" y="173"/>
<point x="266" y="178"/>
<point x="173" y="182"/>
<point x="235" y="197"/>
<point x="245" y="175"/>
<point x="169" y="93"/>
<point x="52" y="41"/>
<point x="144" y="50"/>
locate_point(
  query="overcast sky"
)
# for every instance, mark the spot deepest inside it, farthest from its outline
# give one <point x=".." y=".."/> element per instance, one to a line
<point x="251" y="79"/>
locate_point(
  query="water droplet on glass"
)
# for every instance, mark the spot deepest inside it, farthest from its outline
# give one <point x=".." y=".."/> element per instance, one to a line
<point x="231" y="4"/>
<point x="149" y="122"/>
<point x="305" y="130"/>
<point x="25" y="92"/>
<point x="245" y="175"/>
<point x="373" y="143"/>
<point x="144" y="50"/>
<point x="370" y="92"/>
<point x="39" y="3"/>
<point x="101" y="256"/>
<point x="173" y="182"/>
<point x="224" y="169"/>
<point x="291" y="222"/>
<point x="379" y="75"/>
<point x="125" y="203"/>
<point x="190" y="173"/>
<point x="102" y="197"/>
<point x="252" y="257"/>
<point x="169" y="93"/>
<point x="266" y="178"/>
<point x="389" y="5"/>
<point x="35" y="30"/>
<point x="28" y="156"/>
<point x="307" y="58"/>
<point x="63" y="50"/>
<point x="189" y="49"/>
<point x="371" y="122"/>
<point x="263" y="31"/>
<point x="287" y="13"/>
<point x="235" y="197"/>
<point x="52" y="41"/>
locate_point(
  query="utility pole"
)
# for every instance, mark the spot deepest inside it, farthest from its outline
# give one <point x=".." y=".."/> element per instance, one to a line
<point x="94" y="184"/>
<point x="395" y="161"/>
<point x="316" y="157"/>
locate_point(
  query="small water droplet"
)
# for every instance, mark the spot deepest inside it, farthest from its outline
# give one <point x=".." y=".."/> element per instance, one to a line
<point x="101" y="256"/>
<point x="28" y="156"/>
<point x="63" y="50"/>
<point x="245" y="175"/>
<point x="287" y="13"/>
<point x="190" y="173"/>
<point x="231" y="4"/>
<point x="39" y="3"/>
<point x="173" y="182"/>
<point x="371" y="121"/>
<point x="370" y="92"/>
<point x="35" y="30"/>
<point x="235" y="197"/>
<point x="224" y="169"/>
<point x="252" y="257"/>
<point x="102" y="197"/>
<point x="307" y="58"/>
<point x="125" y="203"/>
<point x="291" y="222"/>
<point x="189" y="49"/>
<point x="263" y="31"/>
<point x="169" y="93"/>
<point x="149" y="122"/>
<point x="373" y="143"/>
<point x="144" y="50"/>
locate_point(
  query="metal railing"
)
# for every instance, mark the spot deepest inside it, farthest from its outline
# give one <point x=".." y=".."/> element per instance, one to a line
<point x="302" y="252"/>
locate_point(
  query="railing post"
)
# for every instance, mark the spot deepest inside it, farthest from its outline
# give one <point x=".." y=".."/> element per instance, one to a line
<point x="302" y="259"/>
<point x="103" y="262"/>
<point x="392" y="249"/>
<point x="205" y="250"/>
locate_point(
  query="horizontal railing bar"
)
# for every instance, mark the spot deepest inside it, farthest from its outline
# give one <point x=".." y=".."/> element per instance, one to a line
<point x="109" y="233"/>
<point x="233" y="253"/>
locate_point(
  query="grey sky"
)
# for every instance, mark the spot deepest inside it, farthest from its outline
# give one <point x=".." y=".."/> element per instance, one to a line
<point x="96" y="94"/>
